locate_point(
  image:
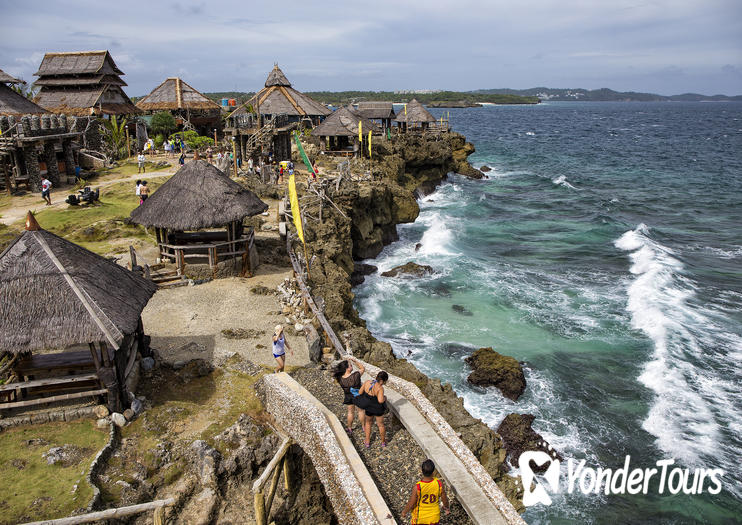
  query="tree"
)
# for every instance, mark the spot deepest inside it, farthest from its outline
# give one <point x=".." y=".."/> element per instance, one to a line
<point x="28" y="91"/>
<point x="192" y="139"/>
<point x="163" y="123"/>
<point x="115" y="137"/>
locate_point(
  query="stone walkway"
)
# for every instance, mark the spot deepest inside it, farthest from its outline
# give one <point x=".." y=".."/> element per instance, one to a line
<point x="395" y="468"/>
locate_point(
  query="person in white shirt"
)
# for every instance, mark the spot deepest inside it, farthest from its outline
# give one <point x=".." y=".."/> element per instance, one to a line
<point x="46" y="188"/>
<point x="140" y="163"/>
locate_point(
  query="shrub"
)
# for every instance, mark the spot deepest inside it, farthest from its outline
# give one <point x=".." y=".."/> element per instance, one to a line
<point x="163" y="123"/>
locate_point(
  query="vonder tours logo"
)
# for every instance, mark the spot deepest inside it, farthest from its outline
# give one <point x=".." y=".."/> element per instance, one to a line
<point x="623" y="480"/>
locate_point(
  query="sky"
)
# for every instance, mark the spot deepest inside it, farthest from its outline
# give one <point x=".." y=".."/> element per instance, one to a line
<point x="663" y="46"/>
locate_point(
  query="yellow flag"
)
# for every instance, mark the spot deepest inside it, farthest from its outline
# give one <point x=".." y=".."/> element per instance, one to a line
<point x="360" y="132"/>
<point x="295" y="212"/>
<point x="369" y="144"/>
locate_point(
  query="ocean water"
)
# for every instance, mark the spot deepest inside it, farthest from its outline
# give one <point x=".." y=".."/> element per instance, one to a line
<point x="604" y="251"/>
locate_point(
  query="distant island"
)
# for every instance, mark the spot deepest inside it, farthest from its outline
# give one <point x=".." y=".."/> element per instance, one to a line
<point x="464" y="99"/>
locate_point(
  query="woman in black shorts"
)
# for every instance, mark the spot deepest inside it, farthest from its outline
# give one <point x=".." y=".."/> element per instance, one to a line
<point x="372" y="401"/>
<point x="350" y="382"/>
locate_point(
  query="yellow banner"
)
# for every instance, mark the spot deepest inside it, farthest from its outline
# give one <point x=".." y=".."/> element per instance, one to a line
<point x="360" y="133"/>
<point x="369" y="144"/>
<point x="295" y="212"/>
<point x="405" y="111"/>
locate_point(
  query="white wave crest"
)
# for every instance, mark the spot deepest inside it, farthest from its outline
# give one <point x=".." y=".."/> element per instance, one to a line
<point x="690" y="400"/>
<point x="561" y="180"/>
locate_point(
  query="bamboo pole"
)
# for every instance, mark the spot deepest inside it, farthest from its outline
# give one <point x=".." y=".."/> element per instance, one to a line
<point x="258" y="485"/>
<point x="108" y="514"/>
<point x="158" y="518"/>
<point x="259" y="504"/>
<point x="286" y="474"/>
<point x="272" y="489"/>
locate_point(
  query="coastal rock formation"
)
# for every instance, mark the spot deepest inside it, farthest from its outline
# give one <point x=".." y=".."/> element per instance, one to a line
<point x="360" y="271"/>
<point x="411" y="269"/>
<point x="518" y="437"/>
<point x="461" y="165"/>
<point x="494" y="369"/>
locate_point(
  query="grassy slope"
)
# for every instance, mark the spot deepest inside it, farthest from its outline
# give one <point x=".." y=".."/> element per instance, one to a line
<point x="30" y="489"/>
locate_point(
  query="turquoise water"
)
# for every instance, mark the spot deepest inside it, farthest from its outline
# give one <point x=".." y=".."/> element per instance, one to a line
<point x="605" y="252"/>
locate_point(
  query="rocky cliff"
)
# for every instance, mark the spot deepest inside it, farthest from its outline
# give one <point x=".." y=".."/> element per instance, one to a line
<point x="411" y="166"/>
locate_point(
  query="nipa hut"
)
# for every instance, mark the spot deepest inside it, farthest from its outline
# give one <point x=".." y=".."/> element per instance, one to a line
<point x="415" y="117"/>
<point x="82" y="83"/>
<point x="57" y="295"/>
<point x="185" y="103"/>
<point x="379" y="112"/>
<point x="33" y="143"/>
<point x="338" y="133"/>
<point x="190" y="209"/>
<point x="281" y="108"/>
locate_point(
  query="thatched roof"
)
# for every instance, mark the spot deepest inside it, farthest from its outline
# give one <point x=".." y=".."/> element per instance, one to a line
<point x="197" y="196"/>
<point x="277" y="78"/>
<point x="55" y="293"/>
<point x="279" y="98"/>
<point x="91" y="80"/>
<point x="83" y="102"/>
<point x="376" y="110"/>
<point x="12" y="103"/>
<point x="173" y="93"/>
<point x="343" y="123"/>
<point x="7" y="79"/>
<point x="416" y="113"/>
<point x="78" y="62"/>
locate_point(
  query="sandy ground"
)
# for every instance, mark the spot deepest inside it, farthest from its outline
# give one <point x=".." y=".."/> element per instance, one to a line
<point x="186" y="323"/>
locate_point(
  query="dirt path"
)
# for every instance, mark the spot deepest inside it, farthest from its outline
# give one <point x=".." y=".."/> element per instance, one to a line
<point x="214" y="320"/>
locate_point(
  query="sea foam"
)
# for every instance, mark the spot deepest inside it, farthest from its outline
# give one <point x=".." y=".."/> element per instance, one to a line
<point x="691" y="396"/>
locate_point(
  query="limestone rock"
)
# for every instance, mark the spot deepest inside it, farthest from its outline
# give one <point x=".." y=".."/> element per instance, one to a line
<point x="101" y="411"/>
<point x="118" y="419"/>
<point x="102" y="423"/>
<point x="147" y="363"/>
<point x="137" y="406"/>
<point x="129" y="414"/>
<point x="409" y="269"/>
<point x="518" y="437"/>
<point x="494" y="369"/>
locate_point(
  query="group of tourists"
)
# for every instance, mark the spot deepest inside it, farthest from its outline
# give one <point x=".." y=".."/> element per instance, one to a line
<point x="366" y="402"/>
<point x="142" y="191"/>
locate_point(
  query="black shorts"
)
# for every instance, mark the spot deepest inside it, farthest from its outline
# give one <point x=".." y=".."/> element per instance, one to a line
<point x="348" y="399"/>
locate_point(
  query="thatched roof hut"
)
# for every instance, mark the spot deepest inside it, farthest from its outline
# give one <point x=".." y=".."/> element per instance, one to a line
<point x="416" y="114"/>
<point x="343" y="123"/>
<point x="82" y="83"/>
<point x="175" y="94"/>
<point x="56" y="294"/>
<point x="279" y="98"/>
<point x="7" y="79"/>
<point x="197" y="196"/>
<point x="12" y="103"/>
<point x="376" y="110"/>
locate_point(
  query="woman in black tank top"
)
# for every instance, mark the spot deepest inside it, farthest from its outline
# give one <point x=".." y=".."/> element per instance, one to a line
<point x="350" y="381"/>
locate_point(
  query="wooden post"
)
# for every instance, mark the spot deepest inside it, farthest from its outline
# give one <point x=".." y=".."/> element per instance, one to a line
<point x="104" y="353"/>
<point x="133" y="256"/>
<point x="94" y="353"/>
<point x="260" y="509"/>
<point x="234" y="155"/>
<point x="7" y="177"/>
<point x="158" y="518"/>
<point x="272" y="489"/>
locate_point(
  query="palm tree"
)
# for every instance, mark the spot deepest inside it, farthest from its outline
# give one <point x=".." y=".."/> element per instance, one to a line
<point x="116" y="136"/>
<point x="27" y="90"/>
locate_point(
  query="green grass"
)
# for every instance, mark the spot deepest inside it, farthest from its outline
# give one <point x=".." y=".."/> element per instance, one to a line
<point x="95" y="226"/>
<point x="30" y="489"/>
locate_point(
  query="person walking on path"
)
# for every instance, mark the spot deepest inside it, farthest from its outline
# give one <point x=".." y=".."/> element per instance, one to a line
<point x="350" y="381"/>
<point x="425" y="498"/>
<point x="143" y="191"/>
<point x="279" y="348"/>
<point x="372" y="401"/>
<point x="140" y="163"/>
<point x="249" y="166"/>
<point x="138" y="191"/>
<point x="46" y="189"/>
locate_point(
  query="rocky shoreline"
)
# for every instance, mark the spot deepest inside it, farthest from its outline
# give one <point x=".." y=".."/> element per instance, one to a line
<point x="412" y="166"/>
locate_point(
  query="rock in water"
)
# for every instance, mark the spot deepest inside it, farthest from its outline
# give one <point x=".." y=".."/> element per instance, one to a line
<point x="409" y="269"/>
<point x="485" y="169"/>
<point x="494" y="369"/>
<point x="518" y="437"/>
<point x="418" y="246"/>
<point x="461" y="310"/>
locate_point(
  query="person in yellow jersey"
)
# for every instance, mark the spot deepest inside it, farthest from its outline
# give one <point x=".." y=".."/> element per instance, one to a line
<point x="426" y="496"/>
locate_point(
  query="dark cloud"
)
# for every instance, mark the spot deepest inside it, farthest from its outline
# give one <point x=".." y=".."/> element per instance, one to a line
<point x="664" y="45"/>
